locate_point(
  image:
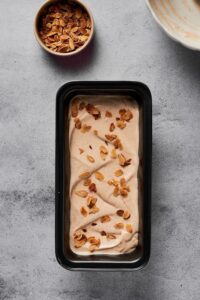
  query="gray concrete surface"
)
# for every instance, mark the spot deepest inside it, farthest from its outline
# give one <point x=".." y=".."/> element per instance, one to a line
<point x="128" y="46"/>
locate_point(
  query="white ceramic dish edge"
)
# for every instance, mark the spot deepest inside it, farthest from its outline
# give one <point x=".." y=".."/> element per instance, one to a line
<point x="173" y="37"/>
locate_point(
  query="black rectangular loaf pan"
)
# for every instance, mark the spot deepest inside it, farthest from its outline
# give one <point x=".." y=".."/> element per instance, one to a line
<point x="65" y="256"/>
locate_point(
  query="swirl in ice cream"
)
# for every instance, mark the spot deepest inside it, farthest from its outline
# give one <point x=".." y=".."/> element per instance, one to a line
<point x="105" y="192"/>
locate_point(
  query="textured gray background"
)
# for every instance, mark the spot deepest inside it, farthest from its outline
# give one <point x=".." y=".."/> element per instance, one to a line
<point x="128" y="46"/>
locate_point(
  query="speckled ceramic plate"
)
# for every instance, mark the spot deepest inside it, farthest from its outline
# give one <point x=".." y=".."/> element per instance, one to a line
<point x="180" y="19"/>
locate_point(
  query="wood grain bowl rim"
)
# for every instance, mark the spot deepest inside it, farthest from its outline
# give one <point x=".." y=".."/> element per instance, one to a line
<point x="68" y="54"/>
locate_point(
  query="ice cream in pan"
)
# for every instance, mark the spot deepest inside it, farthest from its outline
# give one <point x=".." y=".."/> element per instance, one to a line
<point x="105" y="189"/>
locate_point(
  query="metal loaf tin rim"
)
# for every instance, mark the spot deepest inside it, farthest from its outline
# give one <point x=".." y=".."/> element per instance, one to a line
<point x="144" y="92"/>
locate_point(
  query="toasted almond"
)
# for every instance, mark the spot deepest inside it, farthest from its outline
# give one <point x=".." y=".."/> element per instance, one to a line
<point x="83" y="211"/>
<point x="63" y="49"/>
<point x="119" y="225"/>
<point x="93" y="240"/>
<point x="92" y="187"/>
<point x="123" y="182"/>
<point x="123" y="192"/>
<point x="49" y="25"/>
<point x="87" y="182"/>
<point x="88" y="23"/>
<point x="119" y="173"/>
<point x="127" y="188"/>
<point x="81" y="150"/>
<point x="90" y="159"/>
<point x="57" y="15"/>
<point x="118" y="145"/>
<point x="103" y="152"/>
<point x="122" y="159"/>
<point x="85" y="128"/>
<point x="103" y="233"/>
<point x="83" y="23"/>
<point x="84" y="175"/>
<point x="126" y="215"/>
<point x="110" y="137"/>
<point x="111" y="236"/>
<point x="99" y="176"/>
<point x="51" y="33"/>
<point x="110" y="182"/>
<point x="127" y="115"/>
<point x="74" y="109"/>
<point x="112" y="127"/>
<point x="75" y="29"/>
<point x="71" y="44"/>
<point x="94" y="210"/>
<point x="74" y="37"/>
<point x="92" y="248"/>
<point x="129" y="228"/>
<point x="105" y="219"/>
<point x="94" y="111"/>
<point x="128" y="162"/>
<point x="120" y="212"/>
<point x="79" y="244"/>
<point x="83" y="38"/>
<point x="103" y="149"/>
<point x="122" y="111"/>
<point x="82" y="104"/>
<point x="78" y="13"/>
<point x="78" y="236"/>
<point x="108" y="114"/>
<point x="62" y="23"/>
<point x="79" y="240"/>
<point x="121" y="124"/>
<point x="90" y="239"/>
<point x="96" y="242"/>
<point x="113" y="182"/>
<point x="77" y="123"/>
<point x="91" y="201"/>
<point x="82" y="193"/>
<point x="113" y="153"/>
<point x="116" y="191"/>
<point x="64" y="37"/>
<point x="103" y="156"/>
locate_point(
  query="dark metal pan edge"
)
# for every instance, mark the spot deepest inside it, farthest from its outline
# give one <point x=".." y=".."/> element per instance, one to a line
<point x="143" y="89"/>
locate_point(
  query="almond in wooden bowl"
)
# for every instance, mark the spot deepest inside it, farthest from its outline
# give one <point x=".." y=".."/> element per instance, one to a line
<point x="64" y="27"/>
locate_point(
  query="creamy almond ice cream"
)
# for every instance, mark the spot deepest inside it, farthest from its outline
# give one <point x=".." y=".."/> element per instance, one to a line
<point x="105" y="194"/>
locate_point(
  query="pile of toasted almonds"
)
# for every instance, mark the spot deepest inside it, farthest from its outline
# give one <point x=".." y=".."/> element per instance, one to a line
<point x="65" y="27"/>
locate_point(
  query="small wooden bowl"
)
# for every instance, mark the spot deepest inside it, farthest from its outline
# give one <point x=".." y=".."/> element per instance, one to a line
<point x="37" y="22"/>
